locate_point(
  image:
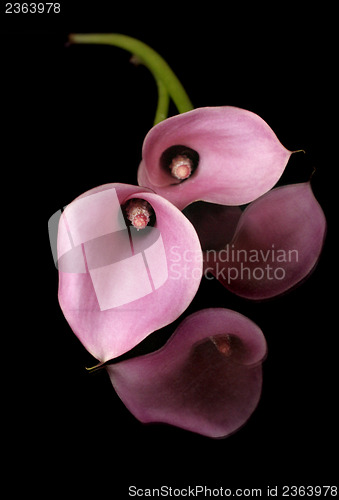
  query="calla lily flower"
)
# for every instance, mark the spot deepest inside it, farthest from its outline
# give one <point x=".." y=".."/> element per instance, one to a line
<point x="276" y="244"/>
<point x="122" y="267"/>
<point x="223" y="155"/>
<point x="206" y="379"/>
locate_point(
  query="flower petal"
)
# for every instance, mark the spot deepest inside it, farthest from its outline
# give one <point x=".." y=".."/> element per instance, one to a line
<point x="277" y="243"/>
<point x="206" y="379"/>
<point x="117" y="284"/>
<point x="240" y="157"/>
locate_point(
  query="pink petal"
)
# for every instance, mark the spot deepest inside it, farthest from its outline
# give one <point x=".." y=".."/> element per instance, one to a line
<point x="277" y="243"/>
<point x="117" y="285"/>
<point x="240" y="157"/>
<point x="206" y="379"/>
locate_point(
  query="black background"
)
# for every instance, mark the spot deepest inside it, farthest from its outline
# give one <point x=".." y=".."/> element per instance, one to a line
<point x="74" y="118"/>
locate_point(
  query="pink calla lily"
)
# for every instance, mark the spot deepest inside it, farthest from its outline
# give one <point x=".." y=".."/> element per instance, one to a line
<point x="276" y="245"/>
<point x="118" y="284"/>
<point x="223" y="155"/>
<point x="207" y="378"/>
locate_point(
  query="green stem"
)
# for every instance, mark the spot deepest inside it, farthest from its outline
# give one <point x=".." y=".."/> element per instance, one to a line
<point x="163" y="103"/>
<point x="153" y="61"/>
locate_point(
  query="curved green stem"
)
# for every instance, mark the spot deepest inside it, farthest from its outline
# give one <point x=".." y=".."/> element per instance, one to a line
<point x="161" y="71"/>
<point x="163" y="103"/>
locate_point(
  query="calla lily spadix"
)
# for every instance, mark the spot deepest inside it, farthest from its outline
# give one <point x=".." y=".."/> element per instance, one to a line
<point x="276" y="244"/>
<point x="119" y="276"/>
<point x="206" y="379"/>
<point x="223" y="155"/>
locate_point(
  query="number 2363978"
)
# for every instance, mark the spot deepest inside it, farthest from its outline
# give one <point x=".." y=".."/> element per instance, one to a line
<point x="32" y="8"/>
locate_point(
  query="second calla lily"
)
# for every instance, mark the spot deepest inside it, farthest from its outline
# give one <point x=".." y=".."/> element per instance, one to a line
<point x="276" y="244"/>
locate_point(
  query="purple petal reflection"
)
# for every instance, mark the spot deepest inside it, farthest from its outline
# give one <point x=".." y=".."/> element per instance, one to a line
<point x="207" y="378"/>
<point x="276" y="245"/>
<point x="118" y="284"/>
<point x="234" y="154"/>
